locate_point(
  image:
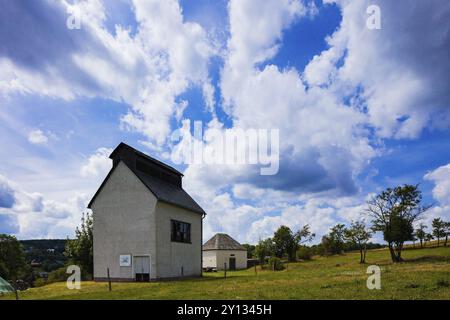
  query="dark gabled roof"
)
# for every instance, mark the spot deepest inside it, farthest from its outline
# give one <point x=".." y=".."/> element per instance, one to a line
<point x="222" y="241"/>
<point x="165" y="191"/>
<point x="122" y="146"/>
<point x="168" y="192"/>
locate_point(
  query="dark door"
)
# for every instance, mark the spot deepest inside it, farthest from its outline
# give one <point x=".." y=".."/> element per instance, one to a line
<point x="232" y="263"/>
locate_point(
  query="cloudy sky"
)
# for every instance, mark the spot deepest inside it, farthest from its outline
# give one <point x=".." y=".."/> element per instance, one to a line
<point x="358" y="109"/>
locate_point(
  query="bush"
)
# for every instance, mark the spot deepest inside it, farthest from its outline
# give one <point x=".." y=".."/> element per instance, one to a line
<point x="57" y="275"/>
<point x="39" y="282"/>
<point x="275" y="264"/>
<point x="304" y="253"/>
<point x="441" y="283"/>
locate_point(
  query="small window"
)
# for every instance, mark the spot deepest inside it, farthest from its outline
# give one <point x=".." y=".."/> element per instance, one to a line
<point x="180" y="231"/>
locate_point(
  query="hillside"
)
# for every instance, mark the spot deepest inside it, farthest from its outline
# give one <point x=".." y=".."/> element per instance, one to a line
<point x="46" y="254"/>
<point x="425" y="275"/>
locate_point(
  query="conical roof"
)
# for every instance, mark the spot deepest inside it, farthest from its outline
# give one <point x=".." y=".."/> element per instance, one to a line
<point x="222" y="241"/>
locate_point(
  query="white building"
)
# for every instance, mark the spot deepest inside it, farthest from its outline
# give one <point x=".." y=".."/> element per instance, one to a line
<point x="145" y="225"/>
<point x="223" y="249"/>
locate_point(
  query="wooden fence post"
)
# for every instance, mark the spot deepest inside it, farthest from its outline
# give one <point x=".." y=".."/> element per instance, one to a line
<point x="225" y="269"/>
<point x="256" y="272"/>
<point x="182" y="271"/>
<point x="17" y="293"/>
<point x="109" y="280"/>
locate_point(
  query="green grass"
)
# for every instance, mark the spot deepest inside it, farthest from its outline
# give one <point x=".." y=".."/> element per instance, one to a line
<point x="424" y="275"/>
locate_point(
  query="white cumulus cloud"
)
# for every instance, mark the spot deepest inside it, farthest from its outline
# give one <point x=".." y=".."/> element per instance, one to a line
<point x="37" y="137"/>
<point x="98" y="163"/>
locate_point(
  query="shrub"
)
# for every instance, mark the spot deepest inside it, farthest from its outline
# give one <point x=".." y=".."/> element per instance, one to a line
<point x="39" y="282"/>
<point x="441" y="283"/>
<point x="304" y="253"/>
<point x="275" y="264"/>
<point x="57" y="275"/>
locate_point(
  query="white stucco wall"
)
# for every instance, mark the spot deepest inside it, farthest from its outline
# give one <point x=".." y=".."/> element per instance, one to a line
<point x="217" y="258"/>
<point x="171" y="256"/>
<point x="124" y="223"/>
<point x="209" y="259"/>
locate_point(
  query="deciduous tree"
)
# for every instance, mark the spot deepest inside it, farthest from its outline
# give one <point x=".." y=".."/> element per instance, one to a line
<point x="80" y="250"/>
<point x="447" y="232"/>
<point x="283" y="240"/>
<point x="263" y="249"/>
<point x="438" y="229"/>
<point x="337" y="237"/>
<point x="333" y="242"/>
<point x="359" y="235"/>
<point x="428" y="238"/>
<point x="421" y="233"/>
<point x="12" y="258"/>
<point x="287" y="242"/>
<point x="250" y="250"/>
<point x="393" y="213"/>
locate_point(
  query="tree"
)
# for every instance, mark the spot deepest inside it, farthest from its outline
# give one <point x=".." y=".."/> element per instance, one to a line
<point x="287" y="242"/>
<point x="304" y="235"/>
<point x="250" y="250"/>
<point x="333" y="242"/>
<point x="301" y="236"/>
<point x="263" y="249"/>
<point x="337" y="238"/>
<point x="357" y="234"/>
<point x="393" y="213"/>
<point x="447" y="232"/>
<point x="324" y="248"/>
<point x="12" y="258"/>
<point x="283" y="240"/>
<point x="421" y="233"/>
<point x="414" y="239"/>
<point x="80" y="250"/>
<point x="438" y="228"/>
<point x="428" y="238"/>
<point x="304" y="253"/>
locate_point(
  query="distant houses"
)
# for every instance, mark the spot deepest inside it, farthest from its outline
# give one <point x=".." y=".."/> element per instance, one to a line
<point x="44" y="254"/>
<point x="35" y="264"/>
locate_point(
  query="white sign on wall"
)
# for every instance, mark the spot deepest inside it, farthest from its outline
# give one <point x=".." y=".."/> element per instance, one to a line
<point x="125" y="260"/>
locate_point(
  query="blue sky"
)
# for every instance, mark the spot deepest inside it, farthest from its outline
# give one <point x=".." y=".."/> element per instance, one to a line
<point x="358" y="110"/>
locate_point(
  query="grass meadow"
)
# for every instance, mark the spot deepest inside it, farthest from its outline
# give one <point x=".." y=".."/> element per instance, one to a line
<point x="425" y="274"/>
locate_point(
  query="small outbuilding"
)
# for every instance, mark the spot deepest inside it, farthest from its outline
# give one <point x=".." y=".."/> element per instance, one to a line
<point x="223" y="249"/>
